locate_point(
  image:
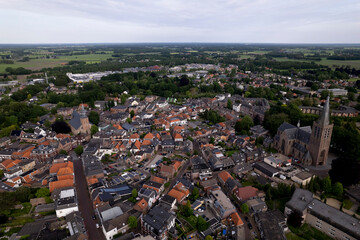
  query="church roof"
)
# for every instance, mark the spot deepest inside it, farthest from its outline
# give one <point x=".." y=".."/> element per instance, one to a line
<point x="75" y="120"/>
<point x="285" y="126"/>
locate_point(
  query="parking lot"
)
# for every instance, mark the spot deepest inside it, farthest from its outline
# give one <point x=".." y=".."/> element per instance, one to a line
<point x="153" y="161"/>
<point x="207" y="214"/>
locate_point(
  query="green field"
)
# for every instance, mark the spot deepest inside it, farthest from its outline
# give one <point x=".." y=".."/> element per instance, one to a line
<point x="326" y="62"/>
<point x="39" y="62"/>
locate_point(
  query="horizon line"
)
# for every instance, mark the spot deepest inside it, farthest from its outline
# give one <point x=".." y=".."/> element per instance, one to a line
<point x="240" y="43"/>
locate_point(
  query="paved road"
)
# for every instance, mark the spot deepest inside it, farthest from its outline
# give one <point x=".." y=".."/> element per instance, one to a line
<point x="85" y="204"/>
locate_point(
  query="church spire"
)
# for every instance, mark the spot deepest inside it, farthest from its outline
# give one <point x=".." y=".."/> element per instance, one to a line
<point x="325" y="114"/>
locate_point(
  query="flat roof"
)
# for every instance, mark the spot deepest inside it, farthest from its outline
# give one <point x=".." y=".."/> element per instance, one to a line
<point x="222" y="199"/>
<point x="67" y="193"/>
<point x="338" y="219"/>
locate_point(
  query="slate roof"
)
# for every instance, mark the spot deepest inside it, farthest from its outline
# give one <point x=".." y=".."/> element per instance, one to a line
<point x="158" y="218"/>
<point x="75" y="120"/>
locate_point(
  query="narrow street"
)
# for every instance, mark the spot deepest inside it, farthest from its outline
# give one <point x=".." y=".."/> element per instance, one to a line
<point x="85" y="204"/>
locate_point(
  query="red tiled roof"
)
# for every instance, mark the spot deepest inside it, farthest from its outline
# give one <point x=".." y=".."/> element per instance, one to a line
<point x="245" y="193"/>
<point x="236" y="219"/>
<point x="224" y="176"/>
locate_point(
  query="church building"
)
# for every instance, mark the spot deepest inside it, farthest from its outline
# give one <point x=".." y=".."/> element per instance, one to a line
<point x="79" y="123"/>
<point x="310" y="145"/>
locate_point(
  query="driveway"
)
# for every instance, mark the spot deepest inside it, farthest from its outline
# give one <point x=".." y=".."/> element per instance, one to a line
<point x="85" y="204"/>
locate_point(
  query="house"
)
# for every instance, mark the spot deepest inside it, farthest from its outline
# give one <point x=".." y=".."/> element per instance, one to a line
<point x="149" y="195"/>
<point x="248" y="192"/>
<point x="302" y="178"/>
<point x="222" y="204"/>
<point x="157" y="187"/>
<point x="329" y="220"/>
<point x="157" y="222"/>
<point x="179" y="192"/>
<point x="76" y="226"/>
<point x="169" y="171"/>
<point x="210" y="185"/>
<point x="271" y="225"/>
<point x="113" y="220"/>
<point x="266" y="169"/>
<point x="168" y="200"/>
<point x="67" y="203"/>
<point x="200" y="169"/>
<point x="236" y="220"/>
<point x="141" y="205"/>
<point x="223" y="176"/>
<point x="256" y="205"/>
<point x="64" y="173"/>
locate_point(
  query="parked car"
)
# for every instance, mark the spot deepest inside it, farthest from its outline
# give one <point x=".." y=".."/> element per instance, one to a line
<point x="246" y="219"/>
<point x="250" y="226"/>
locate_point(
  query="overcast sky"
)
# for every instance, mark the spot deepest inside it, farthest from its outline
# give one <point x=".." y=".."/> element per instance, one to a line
<point x="240" y="21"/>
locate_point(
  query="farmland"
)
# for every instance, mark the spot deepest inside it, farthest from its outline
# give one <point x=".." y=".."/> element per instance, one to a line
<point x="326" y="62"/>
<point x="39" y="61"/>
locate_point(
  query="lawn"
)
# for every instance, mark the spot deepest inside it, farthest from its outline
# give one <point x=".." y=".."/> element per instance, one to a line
<point x="307" y="232"/>
<point x="292" y="236"/>
<point x="353" y="79"/>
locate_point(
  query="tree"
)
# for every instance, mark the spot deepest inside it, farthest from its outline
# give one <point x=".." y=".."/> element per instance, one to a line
<point x="132" y="221"/>
<point x="60" y="126"/>
<point x="42" y="192"/>
<point x="295" y="219"/>
<point x="23" y="194"/>
<point x="63" y="152"/>
<point x="244" y="124"/>
<point x="201" y="224"/>
<point x="79" y="150"/>
<point x="338" y="189"/>
<point x="195" y="194"/>
<point x="208" y="237"/>
<point x="351" y="96"/>
<point x="229" y="104"/>
<point x="134" y="193"/>
<point x="94" y="117"/>
<point x="186" y="210"/>
<point x="132" y="113"/>
<point x="244" y="208"/>
<point x="94" y="129"/>
<point x="212" y="140"/>
<point x="326" y="185"/>
<point x="273" y="121"/>
<point x="326" y="93"/>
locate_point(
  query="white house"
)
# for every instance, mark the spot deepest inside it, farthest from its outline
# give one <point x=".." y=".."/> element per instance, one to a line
<point x="67" y="203"/>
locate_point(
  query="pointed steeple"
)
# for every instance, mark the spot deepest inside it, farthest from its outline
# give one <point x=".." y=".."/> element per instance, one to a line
<point x="325" y="114"/>
<point x="83" y="112"/>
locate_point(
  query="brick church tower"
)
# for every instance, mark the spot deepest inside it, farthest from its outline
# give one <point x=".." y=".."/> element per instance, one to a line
<point x="321" y="137"/>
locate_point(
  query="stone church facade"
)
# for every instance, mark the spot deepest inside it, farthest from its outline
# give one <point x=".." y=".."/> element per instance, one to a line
<point x="310" y="145"/>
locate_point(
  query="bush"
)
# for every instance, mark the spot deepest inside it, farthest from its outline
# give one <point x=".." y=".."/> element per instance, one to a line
<point x="347" y="204"/>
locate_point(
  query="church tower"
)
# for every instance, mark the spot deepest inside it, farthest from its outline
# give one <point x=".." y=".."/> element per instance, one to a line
<point x="321" y="137"/>
<point x="85" y="125"/>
